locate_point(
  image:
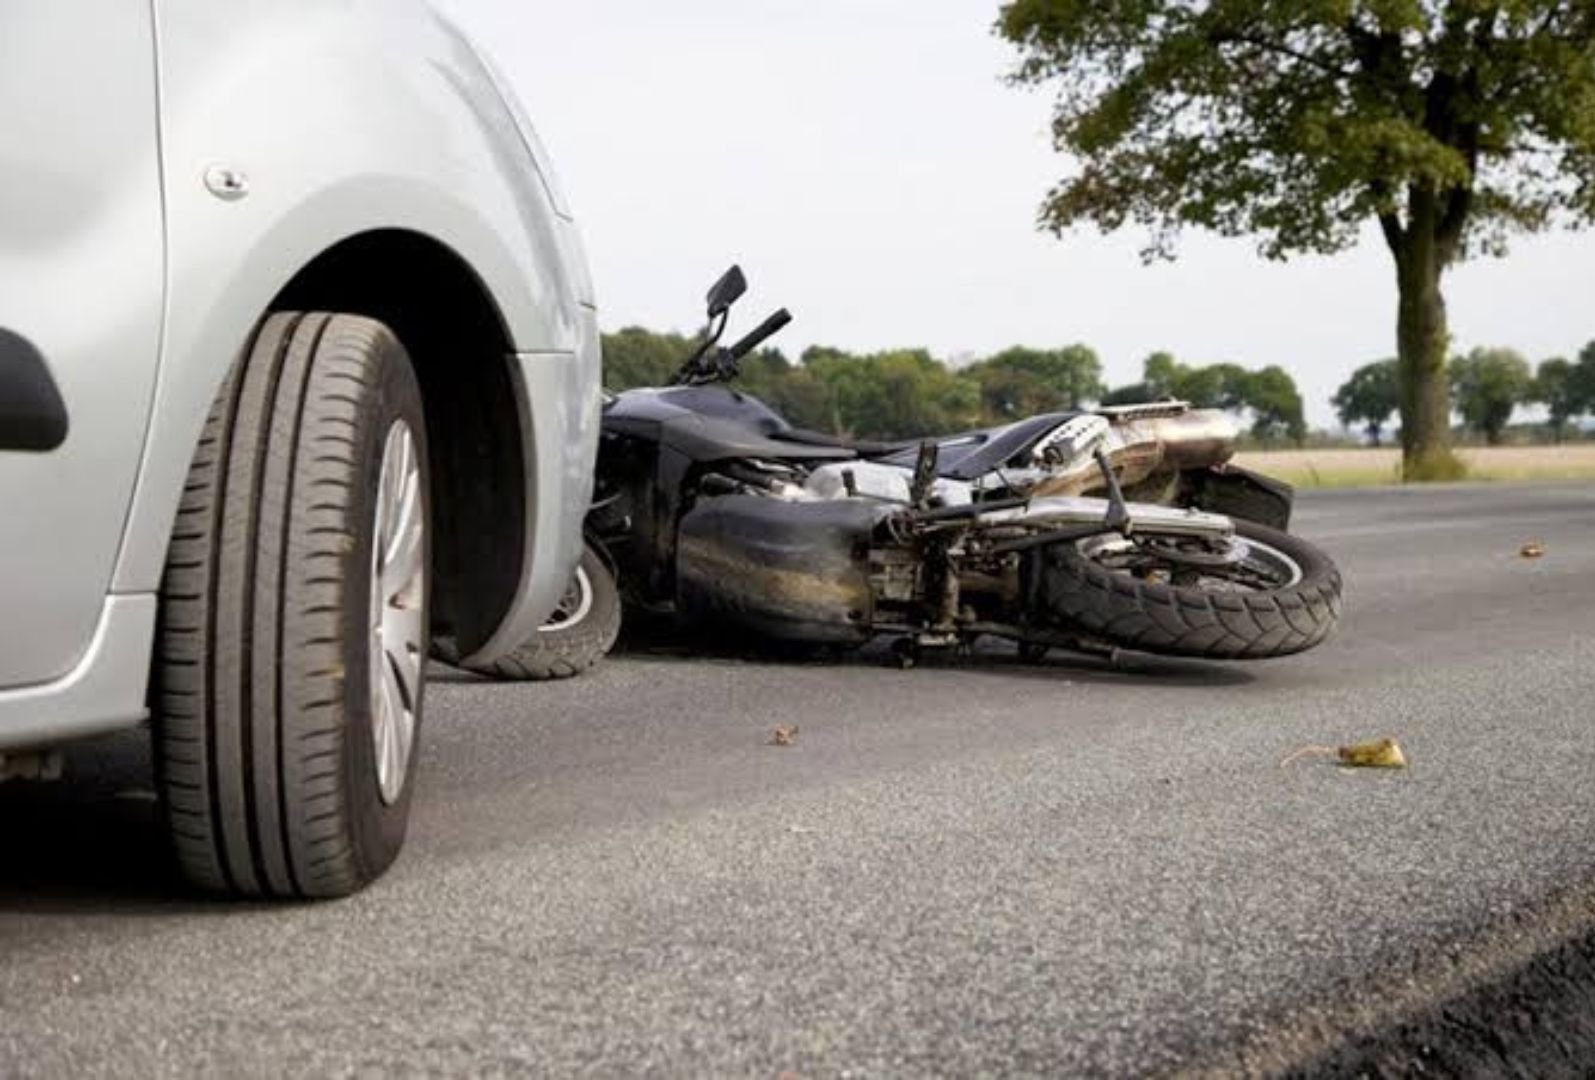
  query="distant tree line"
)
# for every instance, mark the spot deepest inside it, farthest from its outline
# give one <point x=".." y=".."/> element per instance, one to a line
<point x="908" y="393"/>
<point x="1487" y="386"/>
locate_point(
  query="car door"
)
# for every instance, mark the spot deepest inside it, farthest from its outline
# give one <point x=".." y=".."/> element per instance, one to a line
<point x="81" y="293"/>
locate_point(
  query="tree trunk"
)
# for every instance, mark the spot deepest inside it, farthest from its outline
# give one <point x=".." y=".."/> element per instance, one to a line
<point x="1422" y="342"/>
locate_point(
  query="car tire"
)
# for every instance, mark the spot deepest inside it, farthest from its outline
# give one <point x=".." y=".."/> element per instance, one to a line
<point x="579" y="633"/>
<point x="290" y="652"/>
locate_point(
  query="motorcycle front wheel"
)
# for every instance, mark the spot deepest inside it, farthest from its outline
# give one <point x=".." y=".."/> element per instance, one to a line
<point x="1275" y="595"/>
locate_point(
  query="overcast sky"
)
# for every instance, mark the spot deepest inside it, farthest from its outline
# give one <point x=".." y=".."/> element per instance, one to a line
<point x="865" y="163"/>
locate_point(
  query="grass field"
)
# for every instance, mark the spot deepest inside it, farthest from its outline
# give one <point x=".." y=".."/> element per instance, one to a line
<point x="1368" y="467"/>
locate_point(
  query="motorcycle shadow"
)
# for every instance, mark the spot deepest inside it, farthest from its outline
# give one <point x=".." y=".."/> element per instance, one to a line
<point x="989" y="657"/>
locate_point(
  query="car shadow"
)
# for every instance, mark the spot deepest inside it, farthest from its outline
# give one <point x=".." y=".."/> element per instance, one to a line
<point x="91" y="842"/>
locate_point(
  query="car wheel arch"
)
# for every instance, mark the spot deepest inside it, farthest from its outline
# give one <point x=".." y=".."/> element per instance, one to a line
<point x="460" y="346"/>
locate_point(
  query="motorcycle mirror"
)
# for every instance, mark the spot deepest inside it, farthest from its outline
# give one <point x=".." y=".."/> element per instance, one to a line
<point x="726" y="291"/>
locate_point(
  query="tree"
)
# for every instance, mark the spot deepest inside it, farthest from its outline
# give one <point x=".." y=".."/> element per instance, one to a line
<point x="1133" y="394"/>
<point x="1369" y="397"/>
<point x="638" y="357"/>
<point x="1216" y="386"/>
<point x="1489" y="384"/>
<point x="1160" y="374"/>
<point x="1556" y="386"/>
<point x="792" y="390"/>
<point x="1450" y="123"/>
<point x="1270" y="394"/>
<point x="898" y="394"/>
<point x="1021" y="382"/>
<point x="1276" y="406"/>
<point x="1584" y="377"/>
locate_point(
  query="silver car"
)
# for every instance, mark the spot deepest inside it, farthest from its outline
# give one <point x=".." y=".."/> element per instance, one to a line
<point x="298" y="372"/>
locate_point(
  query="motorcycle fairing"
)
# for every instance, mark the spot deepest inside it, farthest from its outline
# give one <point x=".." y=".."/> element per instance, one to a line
<point x="711" y="423"/>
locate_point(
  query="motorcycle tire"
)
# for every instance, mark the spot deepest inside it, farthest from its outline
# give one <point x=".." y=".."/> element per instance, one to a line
<point x="574" y="638"/>
<point x="1079" y="587"/>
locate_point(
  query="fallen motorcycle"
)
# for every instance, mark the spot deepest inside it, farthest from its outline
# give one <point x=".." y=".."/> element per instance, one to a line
<point x="1118" y="528"/>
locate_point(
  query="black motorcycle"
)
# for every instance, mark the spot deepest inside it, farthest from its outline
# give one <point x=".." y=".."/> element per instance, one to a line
<point x="1114" y="528"/>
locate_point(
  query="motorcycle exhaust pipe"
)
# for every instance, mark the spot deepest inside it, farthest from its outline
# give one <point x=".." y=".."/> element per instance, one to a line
<point x="1193" y="439"/>
<point x="1145" y="440"/>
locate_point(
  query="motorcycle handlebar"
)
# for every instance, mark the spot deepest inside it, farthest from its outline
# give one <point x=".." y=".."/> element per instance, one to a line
<point x="758" y="334"/>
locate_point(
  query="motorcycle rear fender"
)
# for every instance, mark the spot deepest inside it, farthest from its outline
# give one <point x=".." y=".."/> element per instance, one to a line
<point x="1238" y="493"/>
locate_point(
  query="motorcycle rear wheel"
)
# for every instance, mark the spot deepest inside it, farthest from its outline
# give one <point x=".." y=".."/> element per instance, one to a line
<point x="1283" y="596"/>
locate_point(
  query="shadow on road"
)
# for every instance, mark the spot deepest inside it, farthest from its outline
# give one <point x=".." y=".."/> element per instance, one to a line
<point x="91" y="842"/>
<point x="94" y="843"/>
<point x="990" y="658"/>
<point x="1128" y="669"/>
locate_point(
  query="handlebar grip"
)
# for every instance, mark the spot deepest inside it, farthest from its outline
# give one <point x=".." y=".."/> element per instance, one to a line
<point x="759" y="333"/>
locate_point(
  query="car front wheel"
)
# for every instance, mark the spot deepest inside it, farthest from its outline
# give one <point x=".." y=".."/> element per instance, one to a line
<point x="294" y="617"/>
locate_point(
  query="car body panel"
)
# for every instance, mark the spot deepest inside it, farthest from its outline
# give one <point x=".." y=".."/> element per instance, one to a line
<point x="80" y="281"/>
<point x="337" y="133"/>
<point x="104" y="691"/>
<point x="330" y="120"/>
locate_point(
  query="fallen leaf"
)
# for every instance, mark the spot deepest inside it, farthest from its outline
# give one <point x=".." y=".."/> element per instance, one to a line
<point x="1380" y="754"/>
<point x="785" y="735"/>
<point x="1532" y="550"/>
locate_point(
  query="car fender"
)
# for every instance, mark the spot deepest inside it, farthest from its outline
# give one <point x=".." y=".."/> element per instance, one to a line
<point x="289" y="125"/>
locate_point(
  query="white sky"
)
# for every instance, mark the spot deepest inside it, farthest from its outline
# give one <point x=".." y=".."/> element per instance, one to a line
<point x="866" y="164"/>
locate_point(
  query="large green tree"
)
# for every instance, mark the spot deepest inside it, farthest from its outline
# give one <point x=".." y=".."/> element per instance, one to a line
<point x="1020" y="382"/>
<point x="1369" y="397"/>
<point x="638" y="357"/>
<point x="1584" y="377"/>
<point x="1450" y="123"/>
<point x="1213" y="386"/>
<point x="897" y="394"/>
<point x="1270" y="395"/>
<point x="1557" y="387"/>
<point x="1276" y="406"/>
<point x="1490" y="384"/>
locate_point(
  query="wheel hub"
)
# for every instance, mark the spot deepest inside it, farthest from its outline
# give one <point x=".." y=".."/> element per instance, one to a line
<point x="398" y="592"/>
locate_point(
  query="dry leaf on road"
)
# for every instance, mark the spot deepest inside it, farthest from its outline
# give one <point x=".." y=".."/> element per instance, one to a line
<point x="1532" y="550"/>
<point x="785" y="735"/>
<point x="1379" y="754"/>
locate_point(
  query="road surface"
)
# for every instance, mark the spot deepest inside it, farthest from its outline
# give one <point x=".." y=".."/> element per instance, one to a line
<point x="975" y="866"/>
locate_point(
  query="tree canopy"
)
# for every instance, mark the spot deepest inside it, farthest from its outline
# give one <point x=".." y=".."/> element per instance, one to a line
<point x="908" y="393"/>
<point x="1269" y="395"/>
<point x="1369" y="397"/>
<point x="1489" y="385"/>
<point x="1020" y="382"/>
<point x="1556" y="386"/>
<point x="1450" y="123"/>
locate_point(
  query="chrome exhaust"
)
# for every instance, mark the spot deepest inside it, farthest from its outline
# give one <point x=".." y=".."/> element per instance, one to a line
<point x="1190" y="439"/>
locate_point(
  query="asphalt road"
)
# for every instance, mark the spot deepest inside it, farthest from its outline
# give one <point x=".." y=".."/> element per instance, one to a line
<point x="975" y="866"/>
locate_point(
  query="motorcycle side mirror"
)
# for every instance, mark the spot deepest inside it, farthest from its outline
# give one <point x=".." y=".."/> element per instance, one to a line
<point x="726" y="291"/>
